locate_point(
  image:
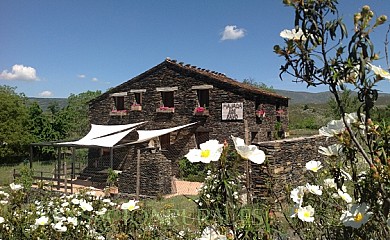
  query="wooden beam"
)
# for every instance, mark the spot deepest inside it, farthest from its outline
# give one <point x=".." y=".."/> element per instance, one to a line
<point x="138" y="178"/>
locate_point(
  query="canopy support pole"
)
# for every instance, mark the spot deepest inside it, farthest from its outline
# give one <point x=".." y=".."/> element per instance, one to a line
<point x="112" y="158"/>
<point x="138" y="180"/>
<point x="31" y="156"/>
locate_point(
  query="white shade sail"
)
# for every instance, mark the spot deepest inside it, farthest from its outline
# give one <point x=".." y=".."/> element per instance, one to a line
<point x="104" y="135"/>
<point x="146" y="135"/>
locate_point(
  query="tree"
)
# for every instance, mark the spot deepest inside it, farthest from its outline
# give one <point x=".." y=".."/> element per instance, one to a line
<point x="350" y="103"/>
<point x="76" y="113"/>
<point x="253" y="82"/>
<point x="14" y="134"/>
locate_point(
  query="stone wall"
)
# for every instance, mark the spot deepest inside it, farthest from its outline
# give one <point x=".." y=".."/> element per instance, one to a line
<point x="155" y="177"/>
<point x="286" y="165"/>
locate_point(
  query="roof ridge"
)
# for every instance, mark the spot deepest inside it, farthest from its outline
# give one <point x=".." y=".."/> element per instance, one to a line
<point x="221" y="77"/>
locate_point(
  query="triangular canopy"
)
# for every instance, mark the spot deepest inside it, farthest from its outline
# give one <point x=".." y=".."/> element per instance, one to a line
<point x="104" y="135"/>
<point x="146" y="135"/>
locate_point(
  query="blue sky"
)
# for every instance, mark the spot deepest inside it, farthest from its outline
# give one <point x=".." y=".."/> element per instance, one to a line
<point x="54" y="48"/>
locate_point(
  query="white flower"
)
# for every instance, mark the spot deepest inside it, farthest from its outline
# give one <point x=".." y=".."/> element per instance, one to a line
<point x="15" y="187"/>
<point x="314" y="189"/>
<point x="72" y="220"/>
<point x="210" y="234"/>
<point x="2" y="220"/>
<point x="356" y="215"/>
<point x="306" y="213"/>
<point x="293" y="34"/>
<point x="313" y="165"/>
<point x="294" y="210"/>
<point x="41" y="221"/>
<point x="344" y="195"/>
<point x="101" y="211"/>
<point x="130" y="205"/>
<point x="250" y="152"/>
<point x="329" y="183"/>
<point x="86" y="206"/>
<point x="297" y="194"/>
<point x="59" y="227"/>
<point x="380" y="72"/>
<point x="333" y="127"/>
<point x="332" y="150"/>
<point x="209" y="151"/>
<point x="75" y="201"/>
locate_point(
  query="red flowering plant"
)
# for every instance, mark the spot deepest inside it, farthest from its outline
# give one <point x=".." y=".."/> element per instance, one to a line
<point x="200" y="109"/>
<point x="260" y="113"/>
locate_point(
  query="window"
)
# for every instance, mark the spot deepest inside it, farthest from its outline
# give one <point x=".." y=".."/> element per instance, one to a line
<point x="137" y="99"/>
<point x="119" y="100"/>
<point x="119" y="103"/>
<point x="203" y="98"/>
<point x="165" y="141"/>
<point x="167" y="99"/>
<point x="201" y="137"/>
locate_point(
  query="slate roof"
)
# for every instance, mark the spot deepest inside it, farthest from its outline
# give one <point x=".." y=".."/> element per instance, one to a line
<point x="211" y="75"/>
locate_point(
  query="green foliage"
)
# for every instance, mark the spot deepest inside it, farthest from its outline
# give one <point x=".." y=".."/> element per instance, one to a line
<point x="195" y="172"/>
<point x="76" y="113"/>
<point x="14" y="134"/>
<point x="112" y="177"/>
<point x="26" y="176"/>
<point x="349" y="102"/>
<point x="254" y="83"/>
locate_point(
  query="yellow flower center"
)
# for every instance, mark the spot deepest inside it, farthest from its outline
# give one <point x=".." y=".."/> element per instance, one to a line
<point x="306" y="214"/>
<point x="205" y="153"/>
<point x="358" y="217"/>
<point x="131" y="208"/>
<point x="314" y="169"/>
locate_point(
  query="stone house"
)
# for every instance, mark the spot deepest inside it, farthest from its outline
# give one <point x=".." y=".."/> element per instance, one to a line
<point x="173" y="94"/>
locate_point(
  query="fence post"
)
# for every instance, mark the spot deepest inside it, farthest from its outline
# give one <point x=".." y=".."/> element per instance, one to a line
<point x="59" y="167"/>
<point x="65" y="178"/>
<point x="247" y="164"/>
<point x="73" y="164"/>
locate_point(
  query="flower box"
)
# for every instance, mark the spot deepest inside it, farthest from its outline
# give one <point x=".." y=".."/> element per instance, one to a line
<point x="201" y="111"/>
<point x="279" y="113"/>
<point x="165" y="110"/>
<point x="118" y="112"/>
<point x="136" y="108"/>
<point x="260" y="113"/>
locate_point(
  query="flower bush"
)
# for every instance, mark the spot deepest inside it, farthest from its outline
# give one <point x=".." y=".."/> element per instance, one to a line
<point x="348" y="194"/>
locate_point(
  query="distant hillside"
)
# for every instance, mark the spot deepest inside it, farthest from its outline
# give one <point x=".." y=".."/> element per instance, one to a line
<point x="45" y="102"/>
<point x="322" y="97"/>
<point x="295" y="98"/>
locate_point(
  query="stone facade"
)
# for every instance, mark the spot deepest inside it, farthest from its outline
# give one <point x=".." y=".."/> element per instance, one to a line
<point x="286" y="164"/>
<point x="187" y="83"/>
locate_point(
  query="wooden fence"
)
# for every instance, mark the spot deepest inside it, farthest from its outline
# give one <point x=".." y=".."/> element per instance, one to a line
<point x="61" y="179"/>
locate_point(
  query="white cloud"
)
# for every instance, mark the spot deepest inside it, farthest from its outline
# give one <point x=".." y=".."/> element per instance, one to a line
<point x="94" y="79"/>
<point x="46" y="94"/>
<point x="20" y="72"/>
<point x="81" y="76"/>
<point x="231" y="32"/>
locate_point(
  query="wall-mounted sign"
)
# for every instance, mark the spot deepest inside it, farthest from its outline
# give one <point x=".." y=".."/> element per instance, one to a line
<point x="232" y="111"/>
